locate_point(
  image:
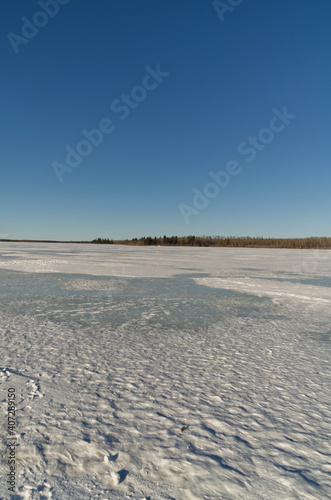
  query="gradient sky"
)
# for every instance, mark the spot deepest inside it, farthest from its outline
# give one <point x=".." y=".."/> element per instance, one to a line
<point x="226" y="76"/>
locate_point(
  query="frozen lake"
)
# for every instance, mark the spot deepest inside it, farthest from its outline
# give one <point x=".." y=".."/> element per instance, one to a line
<point x="113" y="350"/>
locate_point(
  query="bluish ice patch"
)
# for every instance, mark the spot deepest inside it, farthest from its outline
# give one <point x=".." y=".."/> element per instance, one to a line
<point x="177" y="302"/>
<point x="140" y="303"/>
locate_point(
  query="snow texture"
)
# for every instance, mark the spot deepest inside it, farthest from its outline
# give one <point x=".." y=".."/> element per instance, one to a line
<point x="167" y="373"/>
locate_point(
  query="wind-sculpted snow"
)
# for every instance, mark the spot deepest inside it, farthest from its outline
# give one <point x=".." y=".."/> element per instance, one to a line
<point x="203" y="381"/>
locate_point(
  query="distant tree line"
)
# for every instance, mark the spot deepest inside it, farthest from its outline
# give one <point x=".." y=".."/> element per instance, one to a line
<point x="322" y="242"/>
<point x="103" y="240"/>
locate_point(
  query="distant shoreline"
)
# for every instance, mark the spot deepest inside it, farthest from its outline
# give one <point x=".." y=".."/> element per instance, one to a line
<point x="308" y="243"/>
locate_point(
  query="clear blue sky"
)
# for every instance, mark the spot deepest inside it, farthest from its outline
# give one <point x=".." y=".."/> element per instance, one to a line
<point x="226" y="76"/>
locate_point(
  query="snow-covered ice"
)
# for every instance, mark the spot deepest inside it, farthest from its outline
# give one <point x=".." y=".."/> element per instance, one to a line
<point x="167" y="373"/>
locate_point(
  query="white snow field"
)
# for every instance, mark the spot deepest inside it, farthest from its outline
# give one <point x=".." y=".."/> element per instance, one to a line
<point x="166" y="373"/>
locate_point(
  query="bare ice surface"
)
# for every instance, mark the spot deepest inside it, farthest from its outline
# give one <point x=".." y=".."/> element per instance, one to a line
<point x="167" y="373"/>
